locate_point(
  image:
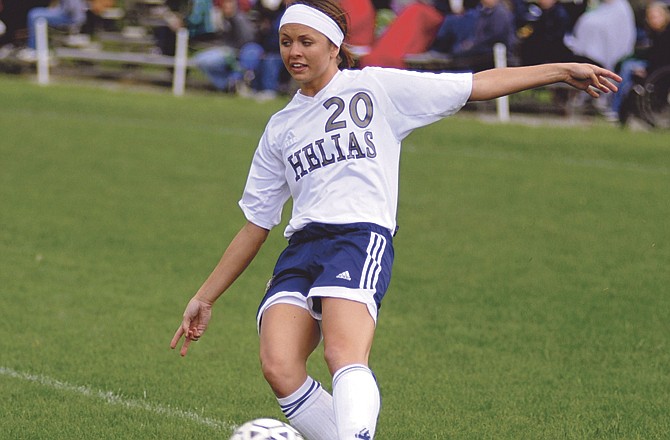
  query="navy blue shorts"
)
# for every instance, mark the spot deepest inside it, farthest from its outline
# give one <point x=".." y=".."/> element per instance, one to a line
<point x="351" y="261"/>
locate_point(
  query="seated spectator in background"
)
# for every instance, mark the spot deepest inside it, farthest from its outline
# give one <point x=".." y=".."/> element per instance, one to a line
<point x="66" y="13"/>
<point x="262" y="58"/>
<point x="220" y="62"/>
<point x="604" y="35"/>
<point x="412" y="31"/>
<point x="648" y="60"/>
<point x="458" y="7"/>
<point x="477" y="30"/>
<point x="445" y="6"/>
<point x="541" y="34"/>
<point x="3" y="27"/>
<point x="397" y="6"/>
<point x="202" y="20"/>
<point x="198" y="16"/>
<point x="381" y="4"/>
<point x="94" y="15"/>
<point x="245" y="5"/>
<point x="14" y="15"/>
<point x="219" y="21"/>
<point x="658" y="20"/>
<point x="361" y="20"/>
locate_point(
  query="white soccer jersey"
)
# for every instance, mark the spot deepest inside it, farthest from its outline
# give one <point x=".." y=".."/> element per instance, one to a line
<point x="337" y="154"/>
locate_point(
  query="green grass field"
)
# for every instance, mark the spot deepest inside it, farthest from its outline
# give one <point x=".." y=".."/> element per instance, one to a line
<point x="530" y="297"/>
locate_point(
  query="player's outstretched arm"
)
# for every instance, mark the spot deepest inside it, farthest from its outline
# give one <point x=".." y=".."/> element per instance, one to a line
<point x="494" y="83"/>
<point x="239" y="254"/>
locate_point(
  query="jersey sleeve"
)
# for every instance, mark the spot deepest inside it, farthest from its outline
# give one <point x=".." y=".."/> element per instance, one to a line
<point x="266" y="190"/>
<point x="417" y="99"/>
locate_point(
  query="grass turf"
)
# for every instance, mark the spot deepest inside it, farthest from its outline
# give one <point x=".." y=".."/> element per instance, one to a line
<point x="529" y="297"/>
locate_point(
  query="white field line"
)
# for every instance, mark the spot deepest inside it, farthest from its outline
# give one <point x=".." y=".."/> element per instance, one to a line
<point x="116" y="399"/>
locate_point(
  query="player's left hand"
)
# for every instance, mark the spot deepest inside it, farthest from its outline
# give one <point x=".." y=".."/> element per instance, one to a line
<point x="592" y="79"/>
<point x="194" y="323"/>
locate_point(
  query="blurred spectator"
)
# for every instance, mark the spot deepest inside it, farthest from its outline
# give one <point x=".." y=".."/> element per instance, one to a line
<point x="603" y="35"/>
<point x="658" y="20"/>
<point x="245" y="5"/>
<point x="221" y="63"/>
<point x="397" y="6"/>
<point x="477" y="30"/>
<point x="14" y="15"/>
<point x="262" y="57"/>
<point x="361" y="19"/>
<point x="381" y="4"/>
<point x="195" y="15"/>
<point x="66" y="13"/>
<point x="445" y="6"/>
<point x="649" y="59"/>
<point x="3" y="27"/>
<point x="542" y="31"/>
<point x="94" y="15"/>
<point x="202" y="19"/>
<point x="411" y="32"/>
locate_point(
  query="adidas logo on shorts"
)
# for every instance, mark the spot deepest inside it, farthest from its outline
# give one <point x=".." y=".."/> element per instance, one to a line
<point x="344" y="276"/>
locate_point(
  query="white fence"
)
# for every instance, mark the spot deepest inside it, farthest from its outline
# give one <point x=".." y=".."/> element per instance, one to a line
<point x="179" y="63"/>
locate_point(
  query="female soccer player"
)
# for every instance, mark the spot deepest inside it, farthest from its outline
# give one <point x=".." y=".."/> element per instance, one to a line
<point x="334" y="149"/>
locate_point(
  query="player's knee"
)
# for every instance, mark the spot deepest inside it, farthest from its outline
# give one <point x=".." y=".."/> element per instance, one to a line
<point x="338" y="355"/>
<point x="284" y="375"/>
<point x="274" y="368"/>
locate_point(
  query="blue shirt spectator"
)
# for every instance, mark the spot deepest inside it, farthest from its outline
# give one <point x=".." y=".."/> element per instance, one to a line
<point x="65" y="13"/>
<point x="477" y="30"/>
<point x="541" y="33"/>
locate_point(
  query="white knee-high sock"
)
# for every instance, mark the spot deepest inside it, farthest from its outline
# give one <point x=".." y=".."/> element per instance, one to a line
<point x="356" y="401"/>
<point x="310" y="411"/>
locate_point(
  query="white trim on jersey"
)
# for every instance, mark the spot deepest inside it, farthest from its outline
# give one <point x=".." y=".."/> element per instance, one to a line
<point x="372" y="267"/>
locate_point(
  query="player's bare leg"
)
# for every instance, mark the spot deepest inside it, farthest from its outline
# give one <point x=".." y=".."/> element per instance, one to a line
<point x="288" y="336"/>
<point x="348" y="331"/>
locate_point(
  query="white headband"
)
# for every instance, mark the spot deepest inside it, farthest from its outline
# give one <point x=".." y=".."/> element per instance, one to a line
<point x="317" y="20"/>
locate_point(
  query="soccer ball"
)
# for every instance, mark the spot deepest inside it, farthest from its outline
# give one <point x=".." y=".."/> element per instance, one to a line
<point x="266" y="429"/>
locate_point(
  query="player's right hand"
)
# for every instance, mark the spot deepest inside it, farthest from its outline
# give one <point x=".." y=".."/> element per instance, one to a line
<point x="194" y="323"/>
